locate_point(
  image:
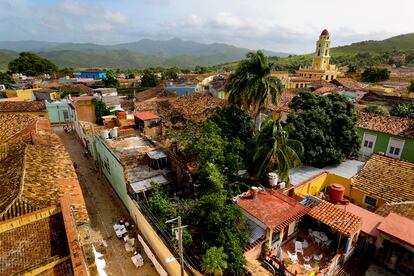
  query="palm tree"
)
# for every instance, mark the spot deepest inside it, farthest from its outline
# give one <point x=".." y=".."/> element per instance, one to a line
<point x="252" y="87"/>
<point x="214" y="261"/>
<point x="275" y="151"/>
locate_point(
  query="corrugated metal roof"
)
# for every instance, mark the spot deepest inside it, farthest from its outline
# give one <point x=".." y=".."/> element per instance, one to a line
<point x="144" y="185"/>
<point x="304" y="173"/>
<point x="255" y="231"/>
<point x="346" y="169"/>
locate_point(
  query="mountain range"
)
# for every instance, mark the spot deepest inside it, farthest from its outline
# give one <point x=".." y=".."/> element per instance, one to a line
<point x="140" y="54"/>
<point x="173" y="52"/>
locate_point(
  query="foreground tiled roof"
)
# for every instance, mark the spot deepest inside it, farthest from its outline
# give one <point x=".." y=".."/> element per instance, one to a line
<point x="405" y="209"/>
<point x="273" y="209"/>
<point x="33" y="245"/>
<point x="387" y="178"/>
<point x="25" y="106"/>
<point x="146" y="115"/>
<point x="338" y="219"/>
<point x="398" y="227"/>
<point x="12" y="124"/>
<point x="403" y="127"/>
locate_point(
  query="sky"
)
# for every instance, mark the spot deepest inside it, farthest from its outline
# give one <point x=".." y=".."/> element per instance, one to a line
<point x="290" y="26"/>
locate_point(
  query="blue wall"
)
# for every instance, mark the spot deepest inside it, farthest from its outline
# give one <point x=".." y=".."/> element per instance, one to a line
<point x="93" y="75"/>
<point x="181" y="89"/>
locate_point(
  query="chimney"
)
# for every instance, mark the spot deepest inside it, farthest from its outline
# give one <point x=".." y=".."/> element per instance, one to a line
<point x="254" y="191"/>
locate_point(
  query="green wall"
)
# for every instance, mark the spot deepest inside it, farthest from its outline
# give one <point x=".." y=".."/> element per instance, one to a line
<point x="381" y="143"/>
<point x="111" y="167"/>
<point x="55" y="112"/>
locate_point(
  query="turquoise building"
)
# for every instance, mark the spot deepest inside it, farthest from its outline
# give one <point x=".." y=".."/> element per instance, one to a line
<point x="60" y="111"/>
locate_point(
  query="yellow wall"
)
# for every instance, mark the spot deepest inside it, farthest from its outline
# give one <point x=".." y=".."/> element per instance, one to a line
<point x="22" y="94"/>
<point x="382" y="89"/>
<point x="358" y="198"/>
<point x="315" y="186"/>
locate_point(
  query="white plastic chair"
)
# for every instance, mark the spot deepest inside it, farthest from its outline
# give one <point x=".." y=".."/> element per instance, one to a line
<point x="307" y="267"/>
<point x="298" y="247"/>
<point x="293" y="257"/>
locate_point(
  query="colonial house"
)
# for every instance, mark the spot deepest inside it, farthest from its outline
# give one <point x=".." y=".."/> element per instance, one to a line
<point x="393" y="136"/>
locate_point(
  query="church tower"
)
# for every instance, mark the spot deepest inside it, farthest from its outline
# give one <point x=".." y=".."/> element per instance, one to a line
<point x="322" y="56"/>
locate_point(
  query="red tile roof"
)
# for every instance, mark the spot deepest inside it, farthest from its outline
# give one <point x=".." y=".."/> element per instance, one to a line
<point x="146" y="115"/>
<point x="370" y="220"/>
<point x="398" y="227"/>
<point x="350" y="84"/>
<point x="273" y="208"/>
<point x="340" y="220"/>
<point x="387" y="178"/>
<point x="403" y="127"/>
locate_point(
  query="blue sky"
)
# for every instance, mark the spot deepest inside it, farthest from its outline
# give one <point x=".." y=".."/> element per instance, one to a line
<point x="280" y="25"/>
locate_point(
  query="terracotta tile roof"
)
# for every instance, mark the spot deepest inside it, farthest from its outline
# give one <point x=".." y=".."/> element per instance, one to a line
<point x="273" y="209"/>
<point x="33" y="245"/>
<point x="22" y="106"/>
<point x="196" y="103"/>
<point x="349" y="84"/>
<point x="12" y="124"/>
<point x="398" y="227"/>
<point x="370" y="221"/>
<point x="387" y="178"/>
<point x="405" y="209"/>
<point x="338" y="219"/>
<point x="82" y="99"/>
<point x="403" y="127"/>
<point x="146" y="115"/>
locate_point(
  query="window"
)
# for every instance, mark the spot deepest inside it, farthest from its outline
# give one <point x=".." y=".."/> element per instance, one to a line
<point x="395" y="147"/>
<point x="370" y="201"/>
<point x="65" y="115"/>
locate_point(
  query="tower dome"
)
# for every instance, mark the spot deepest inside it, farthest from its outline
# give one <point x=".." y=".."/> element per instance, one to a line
<point x="325" y="32"/>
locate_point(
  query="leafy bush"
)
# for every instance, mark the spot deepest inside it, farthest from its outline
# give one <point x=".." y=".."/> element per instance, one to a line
<point x="31" y="64"/>
<point x="374" y="74"/>
<point x="376" y="109"/>
<point x="405" y="110"/>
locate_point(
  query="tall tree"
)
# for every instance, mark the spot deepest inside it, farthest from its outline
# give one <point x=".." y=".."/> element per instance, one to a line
<point x="214" y="261"/>
<point x="275" y="151"/>
<point x="31" y="65"/>
<point x="149" y="79"/>
<point x="252" y="87"/>
<point x="326" y="126"/>
<point x="5" y="78"/>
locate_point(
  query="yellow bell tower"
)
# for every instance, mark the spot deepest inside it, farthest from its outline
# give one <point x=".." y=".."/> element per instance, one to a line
<point x="322" y="56"/>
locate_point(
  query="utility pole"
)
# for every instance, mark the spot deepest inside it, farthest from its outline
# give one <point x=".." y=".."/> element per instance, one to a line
<point x="179" y="228"/>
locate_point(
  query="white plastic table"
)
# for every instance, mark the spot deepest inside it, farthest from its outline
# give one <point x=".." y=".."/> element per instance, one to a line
<point x="120" y="230"/>
<point x="137" y="260"/>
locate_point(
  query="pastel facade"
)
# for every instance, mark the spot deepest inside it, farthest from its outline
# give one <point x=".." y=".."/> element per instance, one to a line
<point x="96" y="75"/>
<point x="60" y="111"/>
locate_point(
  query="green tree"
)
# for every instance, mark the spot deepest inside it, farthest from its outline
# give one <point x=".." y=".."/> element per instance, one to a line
<point x="5" y="78"/>
<point x="252" y="87"/>
<point x="100" y="110"/>
<point x="31" y="65"/>
<point x="405" y="110"/>
<point x="200" y="69"/>
<point x="411" y="86"/>
<point x="171" y="73"/>
<point x="375" y="74"/>
<point x="326" y="127"/>
<point x="234" y="123"/>
<point x="275" y="151"/>
<point x="214" y="261"/>
<point x="376" y="109"/>
<point x="149" y="79"/>
<point x="131" y="76"/>
<point x="110" y="81"/>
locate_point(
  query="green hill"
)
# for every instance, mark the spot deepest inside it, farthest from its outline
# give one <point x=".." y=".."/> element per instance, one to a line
<point x="403" y="42"/>
<point x="5" y="57"/>
<point x="395" y="50"/>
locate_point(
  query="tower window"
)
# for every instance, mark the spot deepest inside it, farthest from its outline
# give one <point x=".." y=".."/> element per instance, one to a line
<point x="326" y="52"/>
<point x="319" y="53"/>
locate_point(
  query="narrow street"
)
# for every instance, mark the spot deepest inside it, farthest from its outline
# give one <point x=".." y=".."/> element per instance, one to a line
<point x="105" y="209"/>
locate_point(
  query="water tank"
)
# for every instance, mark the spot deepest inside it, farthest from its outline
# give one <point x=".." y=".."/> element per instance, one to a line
<point x="273" y="178"/>
<point x="105" y="134"/>
<point x="114" y="132"/>
<point x="336" y="192"/>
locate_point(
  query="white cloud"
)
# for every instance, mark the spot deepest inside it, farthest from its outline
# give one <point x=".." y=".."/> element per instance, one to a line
<point x="116" y="17"/>
<point x="98" y="27"/>
<point x="73" y="8"/>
